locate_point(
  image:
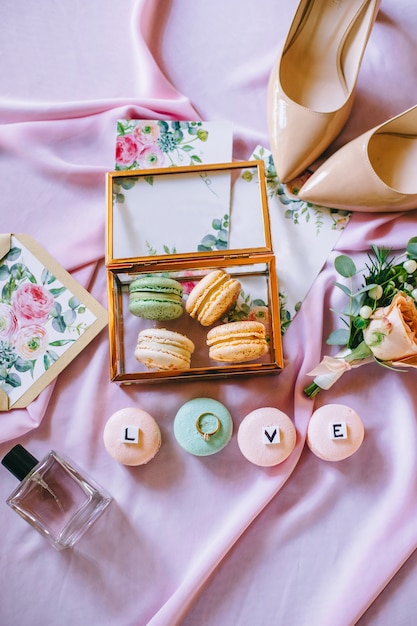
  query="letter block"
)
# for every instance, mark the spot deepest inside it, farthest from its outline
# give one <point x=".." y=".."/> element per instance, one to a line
<point x="338" y="430"/>
<point x="130" y="434"/>
<point x="271" y="435"/>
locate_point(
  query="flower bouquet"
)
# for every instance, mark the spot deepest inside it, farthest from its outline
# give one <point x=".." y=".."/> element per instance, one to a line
<point x="380" y="320"/>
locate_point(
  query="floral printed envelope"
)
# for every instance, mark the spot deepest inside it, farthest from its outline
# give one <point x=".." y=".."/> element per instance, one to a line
<point x="46" y="319"/>
<point x="303" y="235"/>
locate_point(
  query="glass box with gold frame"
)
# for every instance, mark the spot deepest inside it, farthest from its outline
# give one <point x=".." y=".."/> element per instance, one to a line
<point x="183" y="223"/>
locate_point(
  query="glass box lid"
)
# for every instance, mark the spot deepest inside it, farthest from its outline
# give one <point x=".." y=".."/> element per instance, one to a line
<point x="216" y="210"/>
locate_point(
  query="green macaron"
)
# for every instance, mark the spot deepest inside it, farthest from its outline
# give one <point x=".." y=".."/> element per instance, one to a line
<point x="155" y="298"/>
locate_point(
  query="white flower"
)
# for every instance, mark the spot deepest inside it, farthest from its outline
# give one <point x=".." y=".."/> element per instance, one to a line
<point x="376" y="292"/>
<point x="410" y="266"/>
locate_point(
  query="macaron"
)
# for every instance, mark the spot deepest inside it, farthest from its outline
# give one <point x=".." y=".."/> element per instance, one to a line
<point x="203" y="426"/>
<point x="266" y="436"/>
<point x="162" y="349"/>
<point x="212" y="297"/>
<point x="131" y="436"/>
<point x="335" y="432"/>
<point x="237" y="342"/>
<point x="155" y="298"/>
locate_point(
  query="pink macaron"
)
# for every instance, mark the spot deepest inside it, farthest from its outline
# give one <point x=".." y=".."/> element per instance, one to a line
<point x="132" y="436"/>
<point x="266" y="437"/>
<point x="335" y="432"/>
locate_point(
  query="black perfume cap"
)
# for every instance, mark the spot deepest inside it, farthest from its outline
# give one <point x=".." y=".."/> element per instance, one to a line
<point x="19" y="461"/>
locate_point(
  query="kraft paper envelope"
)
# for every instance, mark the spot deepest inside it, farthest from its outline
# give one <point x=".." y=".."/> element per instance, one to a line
<point x="46" y="319"/>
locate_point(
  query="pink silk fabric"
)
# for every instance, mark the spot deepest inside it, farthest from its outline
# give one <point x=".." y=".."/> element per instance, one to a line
<point x="191" y="540"/>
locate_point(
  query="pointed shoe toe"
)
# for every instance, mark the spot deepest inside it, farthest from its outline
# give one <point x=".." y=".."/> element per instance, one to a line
<point x="376" y="172"/>
<point x="311" y="87"/>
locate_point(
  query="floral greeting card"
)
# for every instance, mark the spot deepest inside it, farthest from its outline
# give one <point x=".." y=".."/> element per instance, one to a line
<point x="303" y="236"/>
<point x="144" y="144"/>
<point x="157" y="214"/>
<point x="46" y="318"/>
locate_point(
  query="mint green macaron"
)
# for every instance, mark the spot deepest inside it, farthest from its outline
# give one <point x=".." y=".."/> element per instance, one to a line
<point x="155" y="298"/>
<point x="203" y="426"/>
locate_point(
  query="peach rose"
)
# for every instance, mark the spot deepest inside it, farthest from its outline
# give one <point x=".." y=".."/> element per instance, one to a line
<point x="392" y="332"/>
<point x="31" y="341"/>
<point x="32" y="303"/>
<point x="147" y="133"/>
<point x="151" y="156"/>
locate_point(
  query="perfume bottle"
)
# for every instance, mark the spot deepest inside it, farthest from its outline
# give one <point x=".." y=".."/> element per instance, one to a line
<point x="54" y="496"/>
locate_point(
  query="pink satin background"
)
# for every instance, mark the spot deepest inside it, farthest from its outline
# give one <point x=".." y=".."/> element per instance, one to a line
<point x="216" y="540"/>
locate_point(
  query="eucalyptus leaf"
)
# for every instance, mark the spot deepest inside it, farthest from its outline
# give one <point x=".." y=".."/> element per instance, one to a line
<point x="338" y="337"/>
<point x="73" y="302"/>
<point x="69" y="316"/>
<point x="344" y="288"/>
<point x="58" y="323"/>
<point x="13" y="380"/>
<point x="4" y="272"/>
<point x="412" y="248"/>
<point x="208" y="241"/>
<point x="13" y="254"/>
<point x="21" y="365"/>
<point x="222" y="235"/>
<point x="58" y="291"/>
<point x="345" y="266"/>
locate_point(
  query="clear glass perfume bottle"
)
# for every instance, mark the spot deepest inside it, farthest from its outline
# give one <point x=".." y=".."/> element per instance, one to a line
<point x="54" y="496"/>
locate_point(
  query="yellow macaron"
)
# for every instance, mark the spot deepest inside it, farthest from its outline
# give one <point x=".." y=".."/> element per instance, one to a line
<point x="212" y="297"/>
<point x="237" y="342"/>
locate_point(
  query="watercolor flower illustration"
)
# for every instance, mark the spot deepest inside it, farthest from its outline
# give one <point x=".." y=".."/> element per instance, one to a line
<point x="147" y="144"/>
<point x="38" y="319"/>
<point x="295" y="209"/>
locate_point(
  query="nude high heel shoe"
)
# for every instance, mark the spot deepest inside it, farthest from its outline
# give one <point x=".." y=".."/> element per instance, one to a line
<point x="377" y="171"/>
<point x="311" y="87"/>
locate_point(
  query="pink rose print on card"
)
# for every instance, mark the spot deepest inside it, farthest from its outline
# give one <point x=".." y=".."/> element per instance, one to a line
<point x="148" y="144"/>
<point x="39" y="320"/>
<point x="126" y="151"/>
<point x="8" y="321"/>
<point x="32" y="303"/>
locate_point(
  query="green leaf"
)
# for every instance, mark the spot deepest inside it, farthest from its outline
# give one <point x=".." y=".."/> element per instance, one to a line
<point x="13" y="254"/>
<point x="196" y="159"/>
<point x="345" y="266"/>
<point x="208" y="241"/>
<point x="187" y="148"/>
<point x="24" y="366"/>
<point x="73" y="302"/>
<point x="58" y="323"/>
<point x="61" y="342"/>
<point x="58" y="291"/>
<point x="56" y="309"/>
<point x="345" y="289"/>
<point x="339" y="337"/>
<point x="13" y="380"/>
<point x="412" y="248"/>
<point x="362" y="351"/>
<point x="221" y="245"/>
<point x="223" y="236"/>
<point x="216" y="224"/>
<point x="4" y="272"/>
<point x="47" y="278"/>
<point x="69" y="317"/>
<point x="49" y="359"/>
